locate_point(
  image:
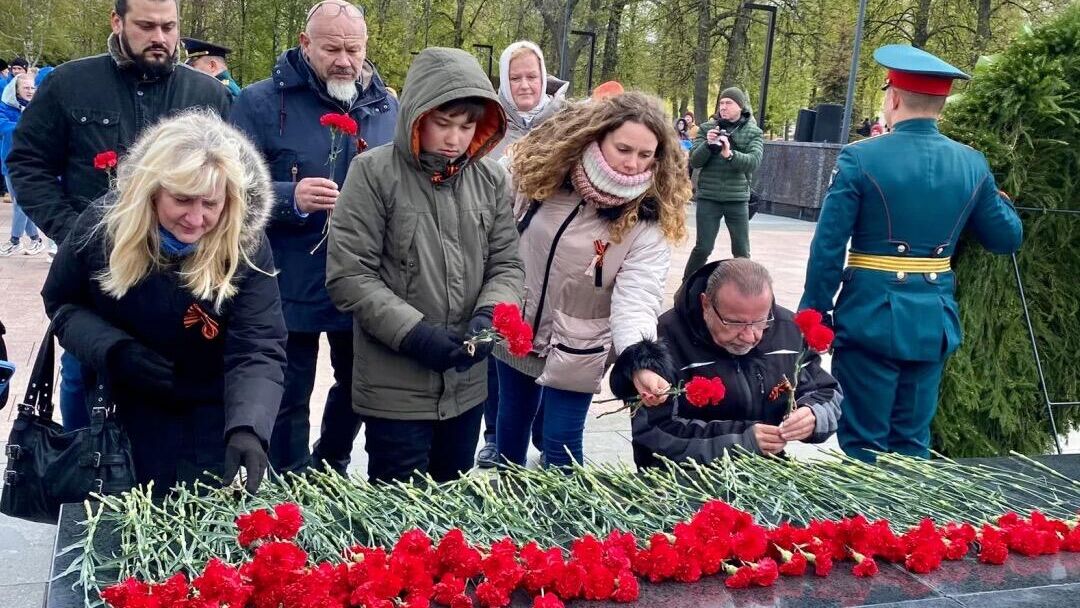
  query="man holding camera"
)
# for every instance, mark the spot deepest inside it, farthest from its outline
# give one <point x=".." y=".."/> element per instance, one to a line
<point x="727" y="150"/>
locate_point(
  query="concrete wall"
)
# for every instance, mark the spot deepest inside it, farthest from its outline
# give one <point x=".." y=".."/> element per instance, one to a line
<point x="793" y="178"/>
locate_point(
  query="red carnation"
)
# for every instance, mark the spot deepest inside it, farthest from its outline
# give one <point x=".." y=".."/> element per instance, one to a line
<point x="289" y="520"/>
<point x="549" y="600"/>
<point x="796" y="566"/>
<point x="993" y="553"/>
<point x="741" y="579"/>
<point x="492" y="596"/>
<point x="461" y="601"/>
<point x="221" y="583"/>
<point x="765" y="572"/>
<point x="751" y="543"/>
<point x="340" y="122"/>
<point x="806" y="319"/>
<point x="505" y="315"/>
<point x="122" y="594"/>
<point x="257" y="525"/>
<point x="105" y="160"/>
<point x="1072" y="540"/>
<point x="701" y="391"/>
<point x="627" y="588"/>
<point x="867" y="567"/>
<point x="819" y="338"/>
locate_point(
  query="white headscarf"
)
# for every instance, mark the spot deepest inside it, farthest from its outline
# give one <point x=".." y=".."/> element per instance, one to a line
<point x="504" y="79"/>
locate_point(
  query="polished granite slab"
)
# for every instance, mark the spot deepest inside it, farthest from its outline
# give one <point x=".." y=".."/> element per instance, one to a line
<point x="1047" y="581"/>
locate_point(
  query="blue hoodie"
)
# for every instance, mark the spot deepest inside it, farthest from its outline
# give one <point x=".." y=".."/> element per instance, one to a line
<point x="10" y="111"/>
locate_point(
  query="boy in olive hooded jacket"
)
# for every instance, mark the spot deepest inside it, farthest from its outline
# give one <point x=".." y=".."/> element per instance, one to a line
<point x="422" y="246"/>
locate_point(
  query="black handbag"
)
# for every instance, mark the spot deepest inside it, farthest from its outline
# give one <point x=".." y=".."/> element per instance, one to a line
<point x="47" y="466"/>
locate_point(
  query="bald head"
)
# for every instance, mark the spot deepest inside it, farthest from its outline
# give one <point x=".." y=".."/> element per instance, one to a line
<point x="334" y="42"/>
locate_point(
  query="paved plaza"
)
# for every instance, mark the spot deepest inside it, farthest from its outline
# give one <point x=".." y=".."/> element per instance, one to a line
<point x="781" y="244"/>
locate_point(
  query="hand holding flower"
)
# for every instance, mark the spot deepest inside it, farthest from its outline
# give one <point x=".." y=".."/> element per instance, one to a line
<point x="651" y="386"/>
<point x="799" y="425"/>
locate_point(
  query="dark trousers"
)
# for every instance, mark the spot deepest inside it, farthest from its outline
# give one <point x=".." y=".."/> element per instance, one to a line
<point x="563" y="422"/>
<point x="491" y="410"/>
<point x="709" y="213"/>
<point x="888" y="405"/>
<point x="444" y="449"/>
<point x="340" y="424"/>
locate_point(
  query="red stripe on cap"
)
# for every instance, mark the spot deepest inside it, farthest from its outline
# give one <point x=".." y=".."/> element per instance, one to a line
<point x="920" y="83"/>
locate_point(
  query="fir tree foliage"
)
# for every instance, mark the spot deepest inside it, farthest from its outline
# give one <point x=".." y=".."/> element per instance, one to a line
<point x="1022" y="110"/>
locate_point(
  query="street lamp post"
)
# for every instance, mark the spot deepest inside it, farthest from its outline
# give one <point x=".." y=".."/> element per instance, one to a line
<point x="490" y="56"/>
<point x="764" y="91"/>
<point x="592" y="53"/>
<point x="849" y="102"/>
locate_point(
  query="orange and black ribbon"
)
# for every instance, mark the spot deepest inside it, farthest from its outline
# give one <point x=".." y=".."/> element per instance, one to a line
<point x="600" y="248"/>
<point x="195" y="315"/>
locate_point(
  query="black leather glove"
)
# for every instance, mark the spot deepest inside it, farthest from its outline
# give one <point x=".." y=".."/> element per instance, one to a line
<point x="244" y="448"/>
<point x="133" y="365"/>
<point x="480" y="321"/>
<point x="434" y="347"/>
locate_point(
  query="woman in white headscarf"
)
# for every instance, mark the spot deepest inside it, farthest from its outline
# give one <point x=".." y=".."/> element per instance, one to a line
<point x="527" y="93"/>
<point x="529" y="96"/>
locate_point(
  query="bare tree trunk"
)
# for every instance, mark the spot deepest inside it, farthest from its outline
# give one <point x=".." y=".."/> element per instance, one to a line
<point x="611" y="40"/>
<point x="459" y="24"/>
<point x="736" y="49"/>
<point x="921" y="31"/>
<point x="701" y="61"/>
<point x="982" y="28"/>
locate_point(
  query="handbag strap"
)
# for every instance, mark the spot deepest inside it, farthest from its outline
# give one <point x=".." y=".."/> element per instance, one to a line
<point x="38" y="398"/>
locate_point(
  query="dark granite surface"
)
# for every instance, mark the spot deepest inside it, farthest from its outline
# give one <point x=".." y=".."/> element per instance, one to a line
<point x="793" y="177"/>
<point x="1047" y="581"/>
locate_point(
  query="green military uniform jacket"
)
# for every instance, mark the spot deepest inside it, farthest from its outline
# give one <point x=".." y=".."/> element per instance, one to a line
<point x="910" y="193"/>
<point x="227" y="80"/>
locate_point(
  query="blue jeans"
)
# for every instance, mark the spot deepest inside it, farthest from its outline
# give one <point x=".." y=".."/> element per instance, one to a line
<point x="564" y="418"/>
<point x="73" y="411"/>
<point x="20" y="223"/>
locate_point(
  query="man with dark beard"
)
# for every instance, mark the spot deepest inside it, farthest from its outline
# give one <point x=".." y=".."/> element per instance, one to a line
<point x="100" y="103"/>
<point x="92" y="105"/>
<point x="327" y="73"/>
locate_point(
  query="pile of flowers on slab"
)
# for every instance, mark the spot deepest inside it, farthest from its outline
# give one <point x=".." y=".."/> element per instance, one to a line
<point x="718" y="540"/>
<point x="668" y="512"/>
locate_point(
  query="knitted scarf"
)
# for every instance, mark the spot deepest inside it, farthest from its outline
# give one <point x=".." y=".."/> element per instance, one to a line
<point x="603" y="186"/>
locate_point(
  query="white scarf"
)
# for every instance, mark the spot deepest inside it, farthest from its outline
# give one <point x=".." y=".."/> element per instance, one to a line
<point x="504" y="80"/>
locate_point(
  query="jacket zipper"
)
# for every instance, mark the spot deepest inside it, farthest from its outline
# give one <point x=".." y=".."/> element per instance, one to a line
<point x="550" y="261"/>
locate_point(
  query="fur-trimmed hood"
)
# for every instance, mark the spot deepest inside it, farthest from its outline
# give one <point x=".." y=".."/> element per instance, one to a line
<point x="259" y="199"/>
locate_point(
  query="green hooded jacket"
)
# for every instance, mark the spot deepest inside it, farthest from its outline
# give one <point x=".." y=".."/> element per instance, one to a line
<point x="722" y="180"/>
<point x="410" y="241"/>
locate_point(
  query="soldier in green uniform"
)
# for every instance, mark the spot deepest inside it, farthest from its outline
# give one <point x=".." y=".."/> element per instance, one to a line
<point x="903" y="199"/>
<point x="210" y="58"/>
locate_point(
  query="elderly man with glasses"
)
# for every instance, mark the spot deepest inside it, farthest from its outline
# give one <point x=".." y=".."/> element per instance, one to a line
<point x="726" y="324"/>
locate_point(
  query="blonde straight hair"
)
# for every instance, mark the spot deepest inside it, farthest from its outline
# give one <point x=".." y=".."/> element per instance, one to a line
<point x="189" y="155"/>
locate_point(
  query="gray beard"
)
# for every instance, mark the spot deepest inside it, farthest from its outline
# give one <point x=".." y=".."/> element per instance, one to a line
<point x="341" y="90"/>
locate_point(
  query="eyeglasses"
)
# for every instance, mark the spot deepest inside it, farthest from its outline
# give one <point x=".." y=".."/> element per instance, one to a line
<point x="741" y="325"/>
<point x="342" y="9"/>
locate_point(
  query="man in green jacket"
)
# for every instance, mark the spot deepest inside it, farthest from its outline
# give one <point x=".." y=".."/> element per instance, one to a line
<point x="727" y="151"/>
<point x="422" y="246"/>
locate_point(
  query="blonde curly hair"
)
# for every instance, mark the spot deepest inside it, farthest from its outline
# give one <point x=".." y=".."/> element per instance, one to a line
<point x="541" y="161"/>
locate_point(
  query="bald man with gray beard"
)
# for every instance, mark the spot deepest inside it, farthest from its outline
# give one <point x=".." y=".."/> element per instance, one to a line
<point x="327" y="72"/>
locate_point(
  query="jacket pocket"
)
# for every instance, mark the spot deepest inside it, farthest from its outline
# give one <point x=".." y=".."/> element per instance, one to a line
<point x="97" y="129"/>
<point x="578" y="354"/>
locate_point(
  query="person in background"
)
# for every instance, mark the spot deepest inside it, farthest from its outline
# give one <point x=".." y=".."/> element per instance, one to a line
<point x="13" y="100"/>
<point x="691" y="124"/>
<point x="726" y="153"/>
<point x="210" y="59"/>
<point x="601" y="194"/>
<point x="327" y="73"/>
<point x="726" y="324"/>
<point x="165" y="289"/>
<point x="901" y="200"/>
<point x="422" y="248"/>
<point x="529" y="96"/>
<point x="93" y="105"/>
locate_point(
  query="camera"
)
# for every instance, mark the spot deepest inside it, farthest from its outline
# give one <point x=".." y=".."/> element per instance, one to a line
<point x="723" y="133"/>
